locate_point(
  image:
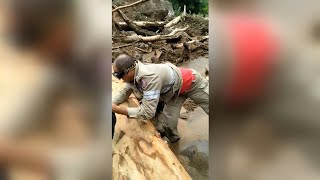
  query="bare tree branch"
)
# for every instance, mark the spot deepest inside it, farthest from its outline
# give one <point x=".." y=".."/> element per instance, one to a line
<point x="128" y="5"/>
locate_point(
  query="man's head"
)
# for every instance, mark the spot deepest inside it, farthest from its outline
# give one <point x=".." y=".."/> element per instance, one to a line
<point x="124" y="68"/>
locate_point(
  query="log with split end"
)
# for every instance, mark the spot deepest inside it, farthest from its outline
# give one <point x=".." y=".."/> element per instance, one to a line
<point x="141" y="154"/>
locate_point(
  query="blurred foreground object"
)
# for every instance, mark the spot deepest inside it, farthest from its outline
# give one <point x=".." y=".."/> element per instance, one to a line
<point x="47" y="126"/>
<point x="274" y="134"/>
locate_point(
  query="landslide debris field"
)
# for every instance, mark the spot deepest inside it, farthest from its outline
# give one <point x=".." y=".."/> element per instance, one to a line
<point x="151" y="33"/>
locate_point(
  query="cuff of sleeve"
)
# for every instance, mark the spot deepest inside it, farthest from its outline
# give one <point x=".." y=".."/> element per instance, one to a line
<point x="114" y="101"/>
<point x="133" y="112"/>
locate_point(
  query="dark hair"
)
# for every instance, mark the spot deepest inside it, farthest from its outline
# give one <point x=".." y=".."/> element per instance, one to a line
<point x="33" y="19"/>
<point x="123" y="62"/>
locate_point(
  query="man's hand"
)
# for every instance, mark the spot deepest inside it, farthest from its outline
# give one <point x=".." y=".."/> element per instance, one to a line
<point x="119" y="110"/>
<point x="114" y="108"/>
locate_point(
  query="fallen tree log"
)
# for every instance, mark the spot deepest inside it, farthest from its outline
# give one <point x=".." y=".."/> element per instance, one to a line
<point x="139" y="153"/>
<point x="136" y="38"/>
<point x="143" y="24"/>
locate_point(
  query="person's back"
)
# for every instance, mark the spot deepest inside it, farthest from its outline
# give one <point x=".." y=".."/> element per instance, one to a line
<point x="163" y="74"/>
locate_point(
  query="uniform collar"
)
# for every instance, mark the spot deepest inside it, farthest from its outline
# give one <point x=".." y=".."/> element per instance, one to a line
<point x="136" y="70"/>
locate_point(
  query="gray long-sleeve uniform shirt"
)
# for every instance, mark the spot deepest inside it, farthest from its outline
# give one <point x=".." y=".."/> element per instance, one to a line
<point x="153" y="82"/>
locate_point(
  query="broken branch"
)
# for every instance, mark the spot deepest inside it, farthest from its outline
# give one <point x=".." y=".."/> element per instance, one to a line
<point x="200" y="38"/>
<point x="173" y="22"/>
<point x="177" y="19"/>
<point x="177" y="30"/>
<point x="145" y="51"/>
<point x="203" y="38"/>
<point x="128" y="5"/>
<point x="194" y="45"/>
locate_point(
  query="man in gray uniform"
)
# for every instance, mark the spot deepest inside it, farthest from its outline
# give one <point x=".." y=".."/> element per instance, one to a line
<point x="159" y="82"/>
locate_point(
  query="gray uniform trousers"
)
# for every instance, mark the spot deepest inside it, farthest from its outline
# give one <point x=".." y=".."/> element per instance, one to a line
<point x="167" y="121"/>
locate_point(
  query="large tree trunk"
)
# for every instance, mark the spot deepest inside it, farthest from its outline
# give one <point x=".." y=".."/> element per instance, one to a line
<point x="175" y="34"/>
<point x="139" y="153"/>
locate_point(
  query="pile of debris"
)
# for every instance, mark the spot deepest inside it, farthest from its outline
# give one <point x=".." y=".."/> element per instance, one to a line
<point x="159" y="38"/>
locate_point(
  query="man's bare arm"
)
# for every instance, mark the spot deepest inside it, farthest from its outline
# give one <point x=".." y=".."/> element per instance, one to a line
<point x="119" y="110"/>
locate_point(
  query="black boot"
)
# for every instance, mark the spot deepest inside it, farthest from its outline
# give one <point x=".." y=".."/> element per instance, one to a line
<point x="167" y="132"/>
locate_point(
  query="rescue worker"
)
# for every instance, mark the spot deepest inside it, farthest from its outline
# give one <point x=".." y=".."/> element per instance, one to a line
<point x="139" y="96"/>
<point x="159" y="82"/>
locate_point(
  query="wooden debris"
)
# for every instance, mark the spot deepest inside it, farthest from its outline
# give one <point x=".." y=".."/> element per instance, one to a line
<point x="173" y="22"/>
<point x="195" y="44"/>
<point x="121" y="46"/>
<point x="143" y="24"/>
<point x="145" y="51"/>
<point x="128" y="5"/>
<point x="159" y="35"/>
<point x="134" y="27"/>
<point x="173" y="35"/>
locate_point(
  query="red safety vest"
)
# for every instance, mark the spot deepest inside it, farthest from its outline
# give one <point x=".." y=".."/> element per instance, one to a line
<point x="187" y="78"/>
